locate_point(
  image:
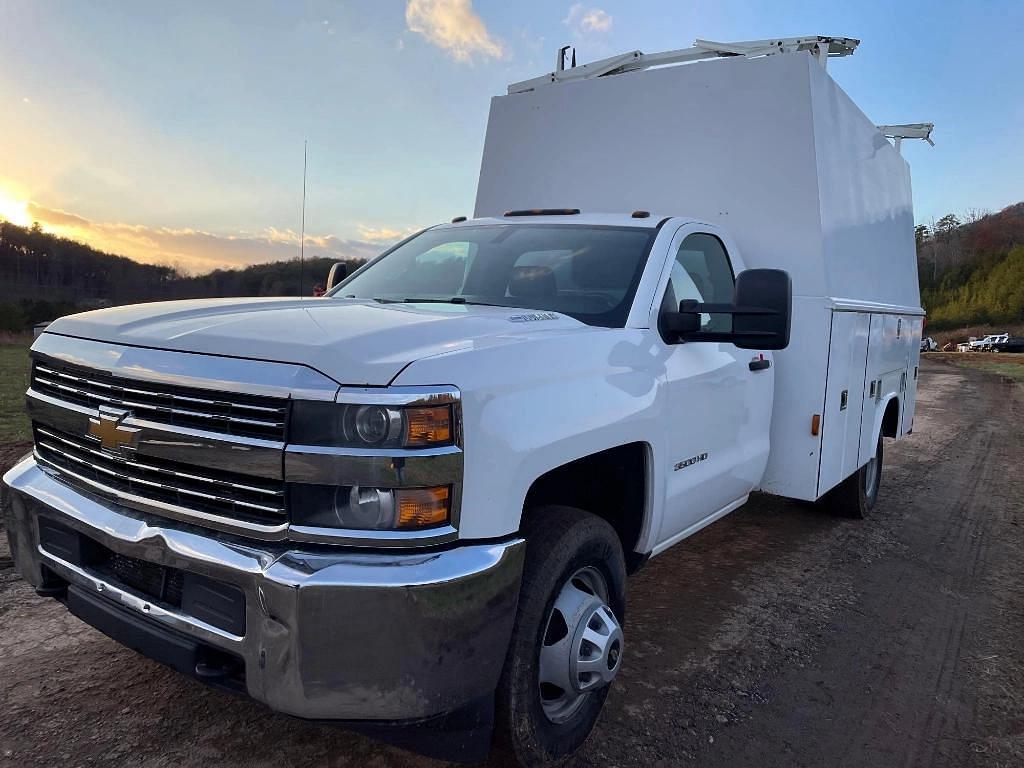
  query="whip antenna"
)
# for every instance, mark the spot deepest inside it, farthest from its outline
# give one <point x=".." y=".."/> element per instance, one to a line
<point x="302" y="232"/>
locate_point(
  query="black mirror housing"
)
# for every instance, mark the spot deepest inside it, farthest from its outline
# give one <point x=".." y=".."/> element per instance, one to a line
<point x="683" y="322"/>
<point x="761" y="312"/>
<point x="770" y="291"/>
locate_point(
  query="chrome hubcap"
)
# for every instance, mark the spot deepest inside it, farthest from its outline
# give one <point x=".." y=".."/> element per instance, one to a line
<point x="582" y="646"/>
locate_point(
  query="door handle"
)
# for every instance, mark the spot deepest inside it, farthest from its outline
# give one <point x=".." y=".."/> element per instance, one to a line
<point x="759" y="365"/>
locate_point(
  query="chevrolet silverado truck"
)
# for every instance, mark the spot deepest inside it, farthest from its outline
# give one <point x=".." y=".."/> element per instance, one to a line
<point x="410" y="506"/>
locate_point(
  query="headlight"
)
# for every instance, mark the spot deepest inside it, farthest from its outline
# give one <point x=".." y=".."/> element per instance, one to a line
<point x="374" y="425"/>
<point x="369" y="509"/>
<point x="371" y="426"/>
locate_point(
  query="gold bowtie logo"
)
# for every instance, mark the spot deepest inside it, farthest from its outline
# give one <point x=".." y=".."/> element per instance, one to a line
<point x="113" y="436"/>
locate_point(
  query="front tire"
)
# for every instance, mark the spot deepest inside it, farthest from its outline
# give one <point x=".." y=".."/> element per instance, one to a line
<point x="855" y="497"/>
<point x="567" y="643"/>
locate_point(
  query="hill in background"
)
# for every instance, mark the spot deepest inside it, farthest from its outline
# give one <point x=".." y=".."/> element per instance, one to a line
<point x="43" y="276"/>
<point x="971" y="271"/>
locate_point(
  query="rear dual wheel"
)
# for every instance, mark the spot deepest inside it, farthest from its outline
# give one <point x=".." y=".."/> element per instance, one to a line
<point x="855" y="497"/>
<point x="567" y="643"/>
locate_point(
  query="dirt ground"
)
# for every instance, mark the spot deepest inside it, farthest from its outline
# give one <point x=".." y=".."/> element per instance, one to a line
<point x="776" y="637"/>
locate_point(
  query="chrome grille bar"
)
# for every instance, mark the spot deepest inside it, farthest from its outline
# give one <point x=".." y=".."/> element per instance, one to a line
<point x="243" y="498"/>
<point x="168" y="472"/>
<point x="227" y="412"/>
<point x="160" y="409"/>
<point x="204" y="401"/>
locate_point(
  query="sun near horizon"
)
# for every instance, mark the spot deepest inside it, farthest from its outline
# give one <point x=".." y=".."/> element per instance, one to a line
<point x="14" y="208"/>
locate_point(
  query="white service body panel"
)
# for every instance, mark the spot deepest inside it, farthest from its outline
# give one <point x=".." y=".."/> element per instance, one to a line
<point x="774" y="152"/>
<point x="844" y="400"/>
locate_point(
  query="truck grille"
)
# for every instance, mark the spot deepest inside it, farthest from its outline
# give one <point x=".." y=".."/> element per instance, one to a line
<point x="225" y="412"/>
<point x="230" y="495"/>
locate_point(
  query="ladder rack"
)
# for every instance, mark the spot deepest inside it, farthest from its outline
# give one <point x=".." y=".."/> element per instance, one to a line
<point x="820" y="47"/>
<point x="908" y="131"/>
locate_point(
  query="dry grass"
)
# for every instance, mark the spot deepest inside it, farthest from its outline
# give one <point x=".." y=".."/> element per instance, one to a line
<point x="15" y="339"/>
<point x="976" y="359"/>
<point x="1009" y="366"/>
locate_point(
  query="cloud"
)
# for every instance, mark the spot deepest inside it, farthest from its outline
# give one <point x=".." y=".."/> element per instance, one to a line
<point x="197" y="251"/>
<point x="453" y="26"/>
<point x="385" y="235"/>
<point x="583" y="21"/>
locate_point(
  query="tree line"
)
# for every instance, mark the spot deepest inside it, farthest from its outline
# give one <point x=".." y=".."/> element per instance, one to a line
<point x="43" y="276"/>
<point x="971" y="268"/>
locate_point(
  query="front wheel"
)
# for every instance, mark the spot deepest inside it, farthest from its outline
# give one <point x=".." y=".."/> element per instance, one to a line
<point x="567" y="642"/>
<point x="856" y="496"/>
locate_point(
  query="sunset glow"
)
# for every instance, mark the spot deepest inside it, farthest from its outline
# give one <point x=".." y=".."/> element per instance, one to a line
<point x="174" y="133"/>
<point x="14" y="210"/>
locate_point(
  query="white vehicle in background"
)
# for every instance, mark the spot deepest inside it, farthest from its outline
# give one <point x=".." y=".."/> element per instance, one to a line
<point x="987" y="343"/>
<point x="411" y="505"/>
<point x="928" y="344"/>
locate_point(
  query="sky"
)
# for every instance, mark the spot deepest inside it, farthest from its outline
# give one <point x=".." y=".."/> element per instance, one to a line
<point x="172" y="132"/>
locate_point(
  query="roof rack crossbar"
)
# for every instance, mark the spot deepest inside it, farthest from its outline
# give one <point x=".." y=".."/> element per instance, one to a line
<point x="908" y="131"/>
<point x="821" y="47"/>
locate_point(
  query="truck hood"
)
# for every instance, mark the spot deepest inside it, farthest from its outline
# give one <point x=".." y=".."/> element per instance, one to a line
<point x="356" y="342"/>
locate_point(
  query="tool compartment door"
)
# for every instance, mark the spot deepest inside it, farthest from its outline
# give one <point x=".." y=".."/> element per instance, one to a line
<point x="844" y="398"/>
<point x="887" y="376"/>
<point x="914" y="328"/>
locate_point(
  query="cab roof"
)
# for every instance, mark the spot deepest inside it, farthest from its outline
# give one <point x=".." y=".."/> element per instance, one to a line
<point x="578" y="219"/>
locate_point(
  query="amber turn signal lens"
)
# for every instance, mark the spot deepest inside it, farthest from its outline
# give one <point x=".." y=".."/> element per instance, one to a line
<point x="428" y="426"/>
<point x="423" y="507"/>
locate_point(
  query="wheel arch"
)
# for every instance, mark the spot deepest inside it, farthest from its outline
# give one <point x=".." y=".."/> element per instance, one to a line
<point x="614" y="484"/>
<point x="886" y="423"/>
<point x="890" y="425"/>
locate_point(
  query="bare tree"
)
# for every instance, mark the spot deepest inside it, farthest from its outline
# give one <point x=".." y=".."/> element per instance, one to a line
<point x="972" y="215"/>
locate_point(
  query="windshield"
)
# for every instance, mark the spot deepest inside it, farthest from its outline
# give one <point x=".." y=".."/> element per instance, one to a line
<point x="588" y="272"/>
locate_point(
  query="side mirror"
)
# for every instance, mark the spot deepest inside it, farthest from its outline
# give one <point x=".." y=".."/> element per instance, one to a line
<point x="764" y="303"/>
<point x="338" y="273"/>
<point x="761" y="313"/>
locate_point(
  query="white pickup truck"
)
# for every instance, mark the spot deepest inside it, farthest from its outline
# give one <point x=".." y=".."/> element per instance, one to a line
<point x="411" y="505"/>
<point x="987" y="343"/>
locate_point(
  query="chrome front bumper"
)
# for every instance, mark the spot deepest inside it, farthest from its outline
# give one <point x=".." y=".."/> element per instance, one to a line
<point x="330" y="633"/>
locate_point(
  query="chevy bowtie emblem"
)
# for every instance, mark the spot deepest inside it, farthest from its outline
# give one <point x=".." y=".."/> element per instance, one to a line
<point x="113" y="436"/>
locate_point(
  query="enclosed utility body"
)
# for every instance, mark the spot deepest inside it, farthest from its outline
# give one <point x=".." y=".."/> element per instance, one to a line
<point x="774" y="152"/>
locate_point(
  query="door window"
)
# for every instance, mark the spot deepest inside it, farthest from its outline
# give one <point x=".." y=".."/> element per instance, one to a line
<point x="702" y="272"/>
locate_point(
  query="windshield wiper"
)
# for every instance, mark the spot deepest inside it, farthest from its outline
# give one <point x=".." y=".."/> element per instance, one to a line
<point x="452" y="300"/>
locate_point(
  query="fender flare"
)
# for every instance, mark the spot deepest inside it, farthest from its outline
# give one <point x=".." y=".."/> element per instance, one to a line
<point x="880" y="411"/>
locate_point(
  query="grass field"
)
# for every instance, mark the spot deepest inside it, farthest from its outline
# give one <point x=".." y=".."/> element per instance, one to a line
<point x="1008" y="366"/>
<point x="14" y="372"/>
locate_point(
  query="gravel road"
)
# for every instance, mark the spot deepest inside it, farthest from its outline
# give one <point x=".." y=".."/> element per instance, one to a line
<point x="776" y="637"/>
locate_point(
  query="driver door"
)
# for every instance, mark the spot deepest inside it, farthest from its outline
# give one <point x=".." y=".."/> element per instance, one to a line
<point x="718" y="409"/>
